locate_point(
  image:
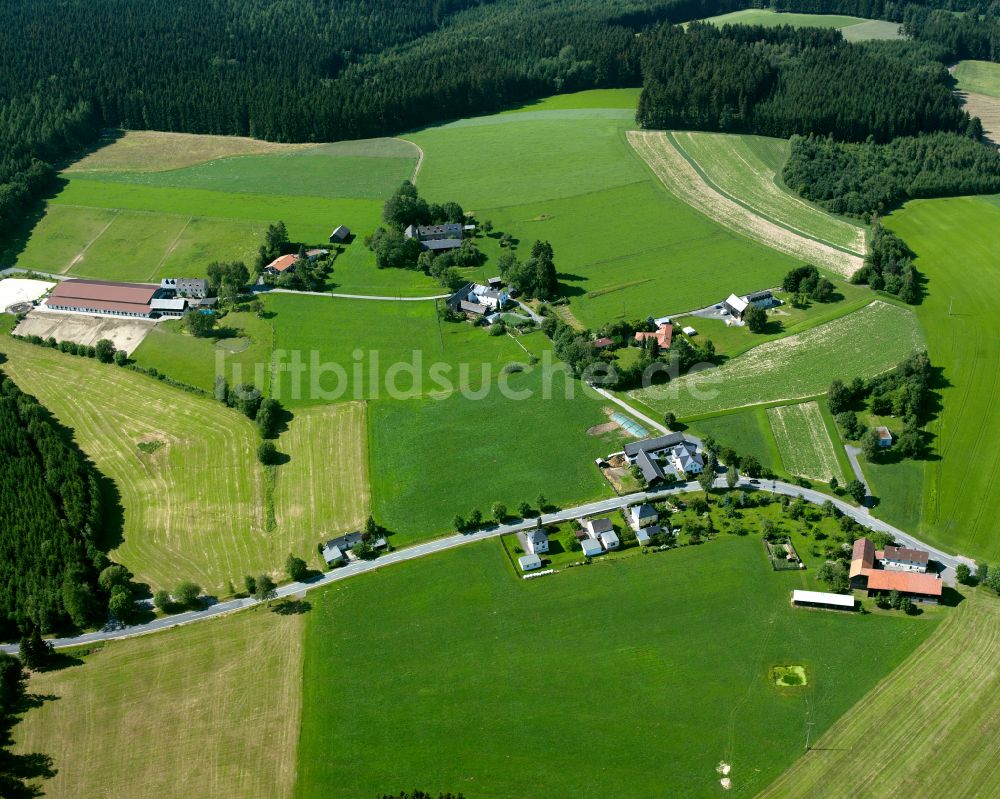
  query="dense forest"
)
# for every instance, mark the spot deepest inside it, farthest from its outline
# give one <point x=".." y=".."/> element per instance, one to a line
<point x="49" y="548"/>
<point x="864" y="179"/>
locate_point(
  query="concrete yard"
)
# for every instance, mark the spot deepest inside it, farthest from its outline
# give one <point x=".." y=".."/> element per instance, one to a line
<point x="125" y="334"/>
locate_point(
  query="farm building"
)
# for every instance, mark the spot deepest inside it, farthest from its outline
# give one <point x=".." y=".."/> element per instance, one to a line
<point x="821" y="599"/>
<point x="736" y="306"/>
<point x="175" y="306"/>
<point x="340" y="234"/>
<point x="194" y="288"/>
<point x="281" y="264"/>
<point x="672" y="455"/>
<point x="591" y="548"/>
<point x="866" y="575"/>
<point x="474" y="299"/>
<point x="437" y="237"/>
<point x="664" y="336"/>
<point x="536" y="542"/>
<point x="529" y="562"/>
<point x="103" y="297"/>
<point x="884" y="436"/>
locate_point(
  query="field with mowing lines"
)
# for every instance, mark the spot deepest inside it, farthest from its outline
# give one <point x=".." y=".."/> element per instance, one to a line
<point x="206" y="710"/>
<point x="684" y="182"/>
<point x="714" y="616"/>
<point x="434" y="458"/>
<point x="804" y="443"/>
<point x="955" y="242"/>
<point x="731" y="165"/>
<point x="854" y="29"/>
<point x="323" y="489"/>
<point x="864" y="344"/>
<point x="932" y="719"/>
<point x="194" y="508"/>
<point x="981" y="77"/>
<point x="152" y="151"/>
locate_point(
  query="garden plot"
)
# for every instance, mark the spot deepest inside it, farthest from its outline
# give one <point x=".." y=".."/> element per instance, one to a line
<point x="683" y="180"/>
<point x="862" y="344"/>
<point x="803" y="441"/>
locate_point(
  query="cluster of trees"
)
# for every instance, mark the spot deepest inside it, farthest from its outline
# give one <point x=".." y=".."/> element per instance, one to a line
<point x="972" y="34"/>
<point x="889" y="266"/>
<point x="536" y="277"/>
<point x="248" y="400"/>
<point x="17" y="771"/>
<point x="782" y="81"/>
<point x="984" y="575"/>
<point x="50" y="541"/>
<point x="262" y="587"/>
<point x="864" y="179"/>
<point x="805" y="283"/>
<point x="227" y="280"/>
<point x="904" y="393"/>
<point x="406" y="207"/>
<point x="103" y="351"/>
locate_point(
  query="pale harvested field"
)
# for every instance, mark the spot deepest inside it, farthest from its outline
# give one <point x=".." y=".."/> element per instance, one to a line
<point x="987" y="109"/>
<point x="927" y="730"/>
<point x="125" y="334"/>
<point x="154" y="151"/>
<point x="682" y="180"/>
<point x="803" y="441"/>
<point x="209" y="710"/>
<point x="323" y="490"/>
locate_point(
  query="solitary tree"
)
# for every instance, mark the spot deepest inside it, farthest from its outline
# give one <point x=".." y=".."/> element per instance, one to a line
<point x="475" y="518"/>
<point x="870" y="445"/>
<point x="266" y="590"/>
<point x="186" y="593"/>
<point x="267" y="453"/>
<point x="751" y="466"/>
<point x="458" y="522"/>
<point x="541" y="502"/>
<point x="524" y="510"/>
<point x="669" y="419"/>
<point x="120" y="605"/>
<point x="105" y="350"/>
<point x="199" y="324"/>
<point x="35" y="651"/>
<point x="161" y="600"/>
<point x="250" y="584"/>
<point x="296" y="568"/>
<point x="499" y="511"/>
<point x="834" y="484"/>
<point x="755" y="319"/>
<point x="982" y="573"/>
<point x="963" y="574"/>
<point x="371" y="527"/>
<point x="858" y="491"/>
<point x="732" y="477"/>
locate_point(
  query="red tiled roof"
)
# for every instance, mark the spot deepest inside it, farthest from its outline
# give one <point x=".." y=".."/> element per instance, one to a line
<point x="904" y="582"/>
<point x="282" y="262"/>
<point x="604" y="341"/>
<point x="862" y="556"/>
<point x="664" y="336"/>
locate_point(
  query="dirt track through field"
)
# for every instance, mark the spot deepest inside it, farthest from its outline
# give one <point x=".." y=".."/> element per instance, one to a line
<point x="89" y="244"/>
<point x="682" y="180"/>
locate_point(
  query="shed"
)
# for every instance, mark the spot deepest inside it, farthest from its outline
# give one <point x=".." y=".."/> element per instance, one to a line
<point x="529" y="562"/>
<point x="609" y="540"/>
<point x="884" y="436"/>
<point x="690" y="331"/>
<point x="591" y="547"/>
<point x="340" y="234"/>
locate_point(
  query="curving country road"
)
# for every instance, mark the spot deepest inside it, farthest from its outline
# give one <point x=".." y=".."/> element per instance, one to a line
<point x="860" y="515"/>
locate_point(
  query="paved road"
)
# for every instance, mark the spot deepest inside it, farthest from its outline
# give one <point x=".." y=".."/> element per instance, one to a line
<point x="15" y="271"/>
<point x="852" y="456"/>
<point x="461" y="539"/>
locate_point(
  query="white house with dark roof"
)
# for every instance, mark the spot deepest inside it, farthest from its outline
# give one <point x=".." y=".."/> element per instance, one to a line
<point x="595" y="527"/>
<point x="640" y="516"/>
<point x="529" y="562"/>
<point x="536" y="542"/>
<point x="670" y="456"/>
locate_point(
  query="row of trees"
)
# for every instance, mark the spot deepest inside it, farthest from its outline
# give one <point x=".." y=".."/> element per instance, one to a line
<point x="865" y="179"/>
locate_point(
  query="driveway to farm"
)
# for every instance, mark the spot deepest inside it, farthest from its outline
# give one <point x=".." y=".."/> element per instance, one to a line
<point x="852" y="456"/>
<point x="461" y="539"/>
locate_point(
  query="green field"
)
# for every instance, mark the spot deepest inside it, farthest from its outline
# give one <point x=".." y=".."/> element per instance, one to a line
<point x="206" y="710"/>
<point x="981" y="77"/>
<point x="196" y="508"/>
<point x="748" y="432"/>
<point x="955" y="241"/>
<point x="864" y="343"/>
<point x="747" y="169"/>
<point x="434" y="458"/>
<point x="804" y="443"/>
<point x="592" y="98"/>
<point x="512" y="676"/>
<point x="930" y="721"/>
<point x="854" y="28"/>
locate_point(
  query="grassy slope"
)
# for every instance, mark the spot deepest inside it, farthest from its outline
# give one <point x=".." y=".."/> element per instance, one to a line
<point x="207" y="710"/>
<point x="864" y="343"/>
<point x="956" y="246"/>
<point x="434" y="458"/>
<point x="982" y="77"/>
<point x="854" y="28"/>
<point x="195" y="507"/>
<point x="628" y="678"/>
<point x="931" y="721"/>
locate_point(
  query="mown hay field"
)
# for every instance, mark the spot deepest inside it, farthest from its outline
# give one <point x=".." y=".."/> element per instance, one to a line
<point x="804" y="443"/>
<point x="981" y="77"/>
<point x="210" y="709"/>
<point x="863" y="344"/>
<point x="932" y="719"/>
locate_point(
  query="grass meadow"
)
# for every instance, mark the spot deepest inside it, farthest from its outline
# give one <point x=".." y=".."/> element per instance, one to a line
<point x="199" y="507"/>
<point x="930" y="718"/>
<point x="804" y="442"/>
<point x="855" y="29"/>
<point x="864" y="343"/>
<point x="434" y="458"/>
<point x="210" y="709"/>
<point x="955" y="242"/>
<point x="665" y="658"/>
<point x="981" y="77"/>
<point x="747" y="431"/>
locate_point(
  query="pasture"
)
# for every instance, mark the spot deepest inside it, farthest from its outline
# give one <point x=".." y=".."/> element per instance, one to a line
<point x="930" y="717"/>
<point x="955" y="242"/>
<point x="506" y="669"/>
<point x="981" y="77"/>
<point x="804" y="442"/>
<point x="854" y="29"/>
<point x="194" y="508"/>
<point x="747" y="169"/>
<point x="683" y="180"/>
<point x="206" y="710"/>
<point x="864" y="343"/>
<point x="434" y="458"/>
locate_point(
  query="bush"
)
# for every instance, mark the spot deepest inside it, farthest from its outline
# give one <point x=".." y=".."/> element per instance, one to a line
<point x="267" y="453"/>
<point x="186" y="594"/>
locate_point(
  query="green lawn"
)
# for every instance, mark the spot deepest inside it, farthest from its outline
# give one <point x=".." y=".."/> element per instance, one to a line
<point x="955" y="241"/>
<point x="133" y="247"/>
<point x="853" y="28"/>
<point x="59" y="238"/>
<point x="864" y="343"/>
<point x="434" y="458"/>
<point x="981" y="77"/>
<point x="664" y="657"/>
<point x="592" y="98"/>
<point x="748" y="432"/>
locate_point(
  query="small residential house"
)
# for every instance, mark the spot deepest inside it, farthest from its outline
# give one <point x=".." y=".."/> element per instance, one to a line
<point x="664" y="335"/>
<point x="591" y="548"/>
<point x="884" y="436"/>
<point x="595" y="527"/>
<point x="332" y="554"/>
<point x="194" y="288"/>
<point x="536" y="542"/>
<point x="640" y="516"/>
<point x="281" y="264"/>
<point x="336" y="549"/>
<point x="529" y="562"/>
<point x="340" y="234"/>
<point x="602" y="343"/>
<point x="609" y="540"/>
